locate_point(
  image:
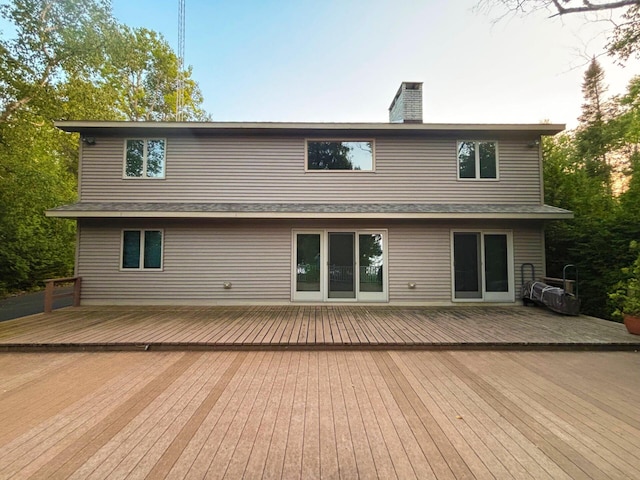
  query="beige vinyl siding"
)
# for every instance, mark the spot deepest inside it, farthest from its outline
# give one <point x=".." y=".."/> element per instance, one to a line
<point x="528" y="248"/>
<point x="271" y="169"/>
<point x="197" y="261"/>
<point x="419" y="254"/>
<point x="256" y="258"/>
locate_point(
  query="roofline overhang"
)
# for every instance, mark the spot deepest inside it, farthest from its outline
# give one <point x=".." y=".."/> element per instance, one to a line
<point x="106" y="127"/>
<point x="314" y="215"/>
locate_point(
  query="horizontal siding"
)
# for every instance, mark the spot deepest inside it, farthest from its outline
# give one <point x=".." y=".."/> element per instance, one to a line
<point x="528" y="247"/>
<point x="256" y="258"/>
<point x="419" y="254"/>
<point x="271" y="169"/>
<point x="197" y="261"/>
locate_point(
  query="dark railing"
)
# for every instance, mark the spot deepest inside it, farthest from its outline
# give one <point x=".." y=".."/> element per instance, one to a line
<point x="50" y="295"/>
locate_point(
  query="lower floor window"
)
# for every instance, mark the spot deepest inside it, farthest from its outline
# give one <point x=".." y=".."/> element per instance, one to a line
<point x="142" y="249"/>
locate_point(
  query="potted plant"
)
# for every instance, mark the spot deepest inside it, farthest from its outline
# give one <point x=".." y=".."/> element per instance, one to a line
<point x="627" y="294"/>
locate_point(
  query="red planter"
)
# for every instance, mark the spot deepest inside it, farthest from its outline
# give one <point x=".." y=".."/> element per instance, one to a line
<point x="632" y="323"/>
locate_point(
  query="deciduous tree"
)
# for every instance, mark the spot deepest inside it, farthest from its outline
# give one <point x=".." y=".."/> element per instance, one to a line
<point x="624" y="40"/>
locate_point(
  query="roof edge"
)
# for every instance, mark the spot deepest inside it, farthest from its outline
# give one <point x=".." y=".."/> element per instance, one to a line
<point x="89" y="125"/>
<point x="312" y="215"/>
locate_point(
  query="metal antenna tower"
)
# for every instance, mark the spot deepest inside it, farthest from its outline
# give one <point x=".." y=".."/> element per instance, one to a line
<point x="180" y="86"/>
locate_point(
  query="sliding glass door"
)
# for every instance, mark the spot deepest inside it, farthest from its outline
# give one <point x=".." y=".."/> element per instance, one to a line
<point x="483" y="266"/>
<point x="371" y="267"/>
<point x="307" y="266"/>
<point x="339" y="266"/>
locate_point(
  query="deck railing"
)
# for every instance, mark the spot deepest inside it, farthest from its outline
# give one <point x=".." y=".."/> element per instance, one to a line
<point x="50" y="295"/>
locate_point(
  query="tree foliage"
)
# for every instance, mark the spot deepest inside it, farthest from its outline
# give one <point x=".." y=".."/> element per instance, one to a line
<point x="624" y="41"/>
<point x="142" y="74"/>
<point x="592" y="138"/>
<point x="67" y="59"/>
<point x="597" y="239"/>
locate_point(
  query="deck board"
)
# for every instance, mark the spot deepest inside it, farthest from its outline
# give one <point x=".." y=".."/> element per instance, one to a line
<point x="311" y="325"/>
<point x="329" y="414"/>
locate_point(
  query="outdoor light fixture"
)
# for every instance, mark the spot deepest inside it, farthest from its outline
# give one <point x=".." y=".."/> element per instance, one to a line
<point x="88" y="140"/>
<point x="535" y="143"/>
<point x="226" y="285"/>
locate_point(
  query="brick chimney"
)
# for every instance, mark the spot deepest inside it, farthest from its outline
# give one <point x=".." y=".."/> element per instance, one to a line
<point x="407" y="104"/>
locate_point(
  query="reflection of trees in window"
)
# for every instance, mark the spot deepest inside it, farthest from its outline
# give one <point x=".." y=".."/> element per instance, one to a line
<point x="477" y="160"/>
<point x="337" y="155"/>
<point x="308" y="262"/>
<point x="135" y="155"/>
<point x="467" y="159"/>
<point x="145" y="158"/>
<point x="155" y="158"/>
<point x="370" y="250"/>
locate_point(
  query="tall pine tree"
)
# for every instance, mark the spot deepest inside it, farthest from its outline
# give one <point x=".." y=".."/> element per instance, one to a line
<point x="592" y="138"/>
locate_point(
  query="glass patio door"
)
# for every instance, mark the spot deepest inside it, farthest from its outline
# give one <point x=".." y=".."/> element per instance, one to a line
<point x="339" y="266"/>
<point x="466" y="264"/>
<point x="483" y="266"/>
<point x="496" y="267"/>
<point x="371" y="268"/>
<point x="308" y="266"/>
<point x="342" y="265"/>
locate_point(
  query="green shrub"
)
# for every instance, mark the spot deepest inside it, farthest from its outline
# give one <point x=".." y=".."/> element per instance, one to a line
<point x="626" y="296"/>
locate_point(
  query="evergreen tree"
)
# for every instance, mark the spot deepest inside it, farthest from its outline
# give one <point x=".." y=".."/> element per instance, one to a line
<point x="592" y="137"/>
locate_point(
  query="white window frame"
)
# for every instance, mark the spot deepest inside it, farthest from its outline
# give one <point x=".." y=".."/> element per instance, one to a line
<point x="145" y="147"/>
<point x="497" y="297"/>
<point x="477" y="163"/>
<point x="142" y="252"/>
<point x="324" y="171"/>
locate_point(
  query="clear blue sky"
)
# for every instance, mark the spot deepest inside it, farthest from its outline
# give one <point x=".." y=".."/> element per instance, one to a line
<point x="343" y="60"/>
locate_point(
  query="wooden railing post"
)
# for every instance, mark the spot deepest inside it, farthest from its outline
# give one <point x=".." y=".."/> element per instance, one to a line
<point x="48" y="296"/>
<point x="76" y="292"/>
<point x="49" y="291"/>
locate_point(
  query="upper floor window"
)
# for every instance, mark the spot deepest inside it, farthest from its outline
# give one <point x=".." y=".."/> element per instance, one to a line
<point x="340" y="155"/>
<point x="477" y="160"/>
<point x="142" y="249"/>
<point x="144" y="158"/>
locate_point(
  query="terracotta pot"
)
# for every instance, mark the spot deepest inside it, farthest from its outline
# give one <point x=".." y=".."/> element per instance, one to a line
<point x="632" y="323"/>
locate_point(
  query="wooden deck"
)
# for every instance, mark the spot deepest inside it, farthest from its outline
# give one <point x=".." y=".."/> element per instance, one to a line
<point x="320" y="414"/>
<point x="338" y="326"/>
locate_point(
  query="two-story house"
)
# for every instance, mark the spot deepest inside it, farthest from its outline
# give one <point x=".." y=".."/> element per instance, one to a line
<point x="401" y="212"/>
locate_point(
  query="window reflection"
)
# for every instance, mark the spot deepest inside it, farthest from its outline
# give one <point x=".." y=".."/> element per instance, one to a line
<point x="308" y="262"/>
<point x="371" y="262"/>
<point x="339" y="155"/>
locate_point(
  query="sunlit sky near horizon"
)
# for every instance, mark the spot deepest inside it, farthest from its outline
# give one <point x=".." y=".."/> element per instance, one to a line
<point x="342" y="61"/>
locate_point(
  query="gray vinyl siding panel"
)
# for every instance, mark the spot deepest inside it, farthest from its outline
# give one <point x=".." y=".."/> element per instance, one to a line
<point x="256" y="258"/>
<point x="271" y="169"/>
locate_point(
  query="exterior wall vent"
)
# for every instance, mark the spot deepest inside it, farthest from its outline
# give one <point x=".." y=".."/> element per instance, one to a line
<point x="407" y="104"/>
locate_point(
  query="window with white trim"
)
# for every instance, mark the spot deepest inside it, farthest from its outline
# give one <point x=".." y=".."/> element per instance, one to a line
<point x="477" y="160"/>
<point x="144" y="157"/>
<point x="141" y="250"/>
